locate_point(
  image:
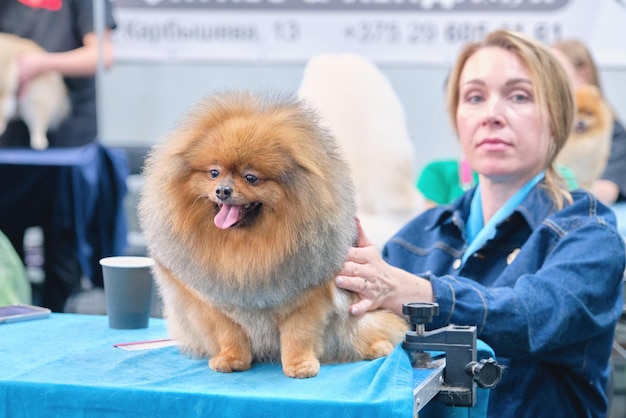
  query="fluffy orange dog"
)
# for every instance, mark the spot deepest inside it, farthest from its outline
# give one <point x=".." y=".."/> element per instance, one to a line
<point x="586" y="151"/>
<point x="248" y="211"/>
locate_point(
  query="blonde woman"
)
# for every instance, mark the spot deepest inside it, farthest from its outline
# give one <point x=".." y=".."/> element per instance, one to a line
<point x="537" y="268"/>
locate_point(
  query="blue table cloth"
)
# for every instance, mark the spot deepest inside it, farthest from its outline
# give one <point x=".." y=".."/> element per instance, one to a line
<point x="67" y="366"/>
<point x="80" y="190"/>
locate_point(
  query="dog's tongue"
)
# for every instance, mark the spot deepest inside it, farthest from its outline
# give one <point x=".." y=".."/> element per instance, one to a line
<point x="227" y="216"/>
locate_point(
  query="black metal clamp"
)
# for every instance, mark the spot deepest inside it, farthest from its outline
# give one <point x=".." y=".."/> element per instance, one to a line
<point x="462" y="372"/>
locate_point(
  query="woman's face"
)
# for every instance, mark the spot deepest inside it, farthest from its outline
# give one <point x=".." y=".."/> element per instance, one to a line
<point x="501" y="129"/>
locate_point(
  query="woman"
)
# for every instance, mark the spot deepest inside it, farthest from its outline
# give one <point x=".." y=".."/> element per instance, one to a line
<point x="581" y="68"/>
<point x="536" y="268"/>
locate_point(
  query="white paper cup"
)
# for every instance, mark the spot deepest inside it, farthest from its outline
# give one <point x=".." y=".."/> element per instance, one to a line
<point x="128" y="290"/>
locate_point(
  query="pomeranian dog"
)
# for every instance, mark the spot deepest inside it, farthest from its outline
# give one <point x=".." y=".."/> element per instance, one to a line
<point x="358" y="104"/>
<point x="42" y="105"/>
<point x="587" y="150"/>
<point x="248" y="211"/>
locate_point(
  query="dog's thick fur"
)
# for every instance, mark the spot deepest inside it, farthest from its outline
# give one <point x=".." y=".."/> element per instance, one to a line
<point x="360" y="107"/>
<point x="43" y="104"/>
<point x="248" y="211"/>
<point x="587" y="150"/>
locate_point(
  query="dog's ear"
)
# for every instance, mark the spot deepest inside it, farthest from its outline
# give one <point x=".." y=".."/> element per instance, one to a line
<point x="586" y="93"/>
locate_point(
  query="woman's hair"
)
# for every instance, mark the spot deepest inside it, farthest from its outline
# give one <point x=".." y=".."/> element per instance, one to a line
<point x="551" y="88"/>
<point x="577" y="53"/>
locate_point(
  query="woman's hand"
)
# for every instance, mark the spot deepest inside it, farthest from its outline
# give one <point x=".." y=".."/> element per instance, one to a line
<point x="363" y="273"/>
<point x="378" y="284"/>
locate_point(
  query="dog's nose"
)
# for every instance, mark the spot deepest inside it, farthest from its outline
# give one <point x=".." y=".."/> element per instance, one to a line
<point x="223" y="192"/>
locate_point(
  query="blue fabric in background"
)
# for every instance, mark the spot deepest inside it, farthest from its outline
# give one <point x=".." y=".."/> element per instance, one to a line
<point x="80" y="189"/>
<point x="67" y="366"/>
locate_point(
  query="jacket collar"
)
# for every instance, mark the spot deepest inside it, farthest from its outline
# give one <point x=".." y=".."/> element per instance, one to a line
<point x="534" y="209"/>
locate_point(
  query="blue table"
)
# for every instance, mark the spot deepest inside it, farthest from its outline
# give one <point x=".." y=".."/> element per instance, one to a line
<point x="66" y="366"/>
<point x="79" y="190"/>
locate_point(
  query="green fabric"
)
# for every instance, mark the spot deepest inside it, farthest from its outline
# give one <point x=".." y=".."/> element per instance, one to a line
<point x="440" y="181"/>
<point x="568" y="176"/>
<point x="14" y="286"/>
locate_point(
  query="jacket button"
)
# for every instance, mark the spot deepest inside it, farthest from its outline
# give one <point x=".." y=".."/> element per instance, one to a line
<point x="456" y="264"/>
<point x="511" y="257"/>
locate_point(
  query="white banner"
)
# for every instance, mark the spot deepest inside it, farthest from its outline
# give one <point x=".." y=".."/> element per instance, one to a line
<point x="393" y="31"/>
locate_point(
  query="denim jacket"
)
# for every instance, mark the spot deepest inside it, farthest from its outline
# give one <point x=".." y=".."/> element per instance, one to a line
<point x="545" y="293"/>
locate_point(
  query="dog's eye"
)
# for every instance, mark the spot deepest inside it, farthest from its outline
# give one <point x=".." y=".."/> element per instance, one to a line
<point x="251" y="178"/>
<point x="214" y="173"/>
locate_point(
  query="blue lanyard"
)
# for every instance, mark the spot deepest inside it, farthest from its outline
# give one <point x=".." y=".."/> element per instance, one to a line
<point x="477" y="232"/>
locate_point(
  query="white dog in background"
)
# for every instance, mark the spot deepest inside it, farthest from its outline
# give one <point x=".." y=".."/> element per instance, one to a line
<point x="43" y="104"/>
<point x="357" y="103"/>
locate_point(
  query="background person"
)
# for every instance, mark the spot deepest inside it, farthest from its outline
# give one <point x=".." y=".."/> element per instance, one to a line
<point x="518" y="256"/>
<point x="65" y="29"/>
<point x="580" y="65"/>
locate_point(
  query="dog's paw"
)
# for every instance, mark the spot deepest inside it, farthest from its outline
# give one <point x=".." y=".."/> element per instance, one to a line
<point x="228" y="364"/>
<point x="380" y="348"/>
<point x="39" y="142"/>
<point x="302" y="369"/>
